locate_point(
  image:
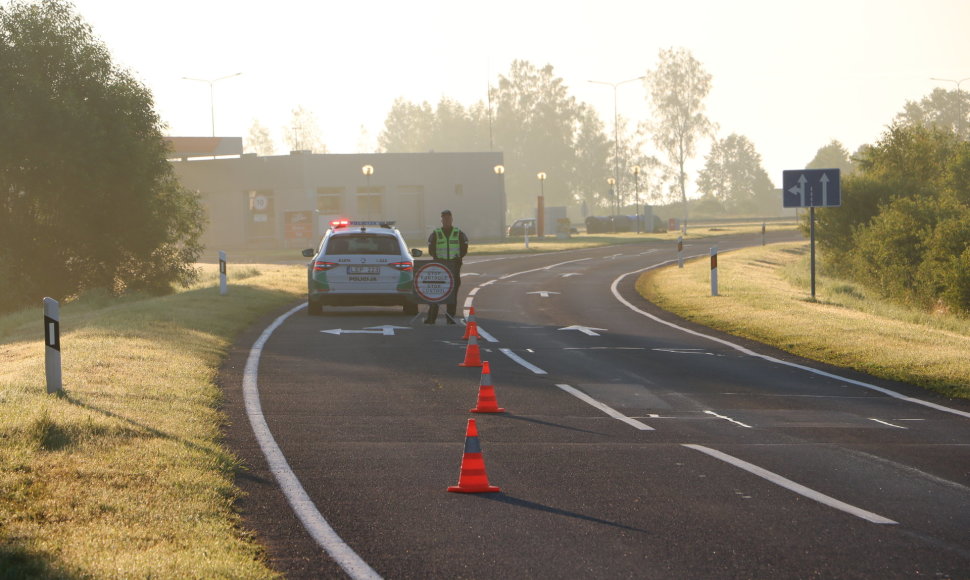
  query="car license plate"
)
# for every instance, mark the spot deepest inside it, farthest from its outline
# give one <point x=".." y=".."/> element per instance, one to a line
<point x="363" y="270"/>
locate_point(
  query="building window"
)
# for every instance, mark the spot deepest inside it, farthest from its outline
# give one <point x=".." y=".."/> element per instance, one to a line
<point x="459" y="189"/>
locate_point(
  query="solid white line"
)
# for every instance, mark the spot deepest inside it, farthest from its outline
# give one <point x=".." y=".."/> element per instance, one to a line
<point x="889" y="424"/>
<point x="468" y="302"/>
<point x="727" y="419"/>
<point x="739" y="348"/>
<point x="605" y="408"/>
<point x="485" y="335"/>
<point x="474" y="291"/>
<point x="299" y="500"/>
<point x="508" y="352"/>
<point x="792" y="486"/>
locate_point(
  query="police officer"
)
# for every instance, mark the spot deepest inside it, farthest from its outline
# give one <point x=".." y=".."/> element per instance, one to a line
<point x="450" y="244"/>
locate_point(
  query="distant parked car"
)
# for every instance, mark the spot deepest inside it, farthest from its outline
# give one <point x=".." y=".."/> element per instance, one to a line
<point x="522" y="226"/>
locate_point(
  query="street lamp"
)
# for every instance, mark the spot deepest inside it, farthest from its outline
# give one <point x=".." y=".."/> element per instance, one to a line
<point x="541" y="206"/>
<point x="499" y="169"/>
<point x="212" y="102"/>
<point x="613" y="210"/>
<point x="616" y="125"/>
<point x="636" y="179"/>
<point x="963" y="120"/>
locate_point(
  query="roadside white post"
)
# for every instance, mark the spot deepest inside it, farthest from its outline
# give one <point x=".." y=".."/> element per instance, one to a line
<point x="223" y="290"/>
<point x="526" y="230"/>
<point x="714" y="271"/>
<point x="680" y="251"/>
<point x="763" y="224"/>
<point x="52" y="342"/>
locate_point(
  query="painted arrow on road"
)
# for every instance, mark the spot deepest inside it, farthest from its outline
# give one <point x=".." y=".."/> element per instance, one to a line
<point x="570" y="274"/>
<point x="585" y="329"/>
<point x="386" y="330"/>
<point x="543" y="293"/>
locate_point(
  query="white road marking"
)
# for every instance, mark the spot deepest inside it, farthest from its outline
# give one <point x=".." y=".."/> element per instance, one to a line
<point x="605" y="408"/>
<point x="543" y="293"/>
<point x="587" y="330"/>
<point x="508" y="352"/>
<point x="886" y="423"/>
<point x="485" y="335"/>
<point x="474" y="290"/>
<point x="749" y="352"/>
<point x="728" y="419"/>
<point x="792" y="486"/>
<point x="299" y="500"/>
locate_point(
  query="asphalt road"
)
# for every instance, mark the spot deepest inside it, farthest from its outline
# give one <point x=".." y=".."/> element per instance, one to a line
<point x="637" y="448"/>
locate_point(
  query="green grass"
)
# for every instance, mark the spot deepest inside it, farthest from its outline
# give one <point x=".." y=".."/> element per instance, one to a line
<point x="764" y="294"/>
<point x="125" y="475"/>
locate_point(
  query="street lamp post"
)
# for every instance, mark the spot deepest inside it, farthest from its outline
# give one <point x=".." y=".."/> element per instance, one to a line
<point x="540" y="206"/>
<point x="636" y="180"/>
<point x="963" y="120"/>
<point x="613" y="203"/>
<point x="212" y="101"/>
<point x="616" y="126"/>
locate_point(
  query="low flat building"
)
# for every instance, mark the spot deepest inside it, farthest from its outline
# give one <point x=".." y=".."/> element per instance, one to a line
<point x="287" y="201"/>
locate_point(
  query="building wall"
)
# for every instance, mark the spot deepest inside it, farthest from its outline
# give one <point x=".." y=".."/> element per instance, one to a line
<point x="288" y="200"/>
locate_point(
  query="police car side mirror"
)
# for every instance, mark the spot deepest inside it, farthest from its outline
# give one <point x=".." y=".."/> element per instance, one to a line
<point x="309" y="253"/>
<point x="416" y="253"/>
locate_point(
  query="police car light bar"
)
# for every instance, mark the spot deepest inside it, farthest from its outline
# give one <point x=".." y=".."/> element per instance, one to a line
<point x="342" y="223"/>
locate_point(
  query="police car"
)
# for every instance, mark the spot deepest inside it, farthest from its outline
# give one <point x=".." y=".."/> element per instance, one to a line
<point x="361" y="263"/>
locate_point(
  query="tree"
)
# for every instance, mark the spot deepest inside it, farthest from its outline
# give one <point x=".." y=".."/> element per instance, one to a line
<point x="303" y="133"/>
<point x="259" y="140"/>
<point x="407" y="128"/>
<point x="541" y="128"/>
<point x="733" y="175"/>
<point x="678" y="87"/>
<point x="947" y="109"/>
<point x="87" y="197"/>
<point x="904" y="226"/>
<point x="832" y="156"/>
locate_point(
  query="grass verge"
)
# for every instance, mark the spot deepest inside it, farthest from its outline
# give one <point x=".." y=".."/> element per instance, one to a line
<point x="764" y="295"/>
<point x="125" y="476"/>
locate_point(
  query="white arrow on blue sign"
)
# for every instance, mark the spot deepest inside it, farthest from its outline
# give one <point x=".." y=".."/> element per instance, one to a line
<point x="811" y="188"/>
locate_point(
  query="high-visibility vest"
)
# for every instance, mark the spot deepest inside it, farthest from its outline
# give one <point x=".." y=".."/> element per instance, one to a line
<point x="448" y="247"/>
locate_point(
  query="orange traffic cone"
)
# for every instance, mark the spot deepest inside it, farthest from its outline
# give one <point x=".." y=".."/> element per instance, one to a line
<point x="471" y="326"/>
<point x="473" y="357"/>
<point x="472" y="477"/>
<point x="487" y="403"/>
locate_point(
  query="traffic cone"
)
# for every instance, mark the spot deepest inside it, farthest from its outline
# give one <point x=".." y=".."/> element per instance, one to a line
<point x="473" y="357"/>
<point x="471" y="326"/>
<point x="487" y="403"/>
<point x="472" y="477"/>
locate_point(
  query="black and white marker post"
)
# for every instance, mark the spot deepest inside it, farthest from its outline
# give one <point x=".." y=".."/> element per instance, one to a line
<point x="223" y="290"/>
<point x="714" y="271"/>
<point x="52" y="341"/>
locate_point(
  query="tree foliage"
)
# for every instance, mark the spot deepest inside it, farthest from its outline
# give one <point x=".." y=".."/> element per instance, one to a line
<point x="87" y="198"/>
<point x="259" y="141"/>
<point x="678" y="87"/>
<point x="734" y="176"/>
<point x="303" y="132"/>
<point x="536" y="124"/>
<point x="833" y="156"/>
<point x="904" y="225"/>
<point x="948" y="110"/>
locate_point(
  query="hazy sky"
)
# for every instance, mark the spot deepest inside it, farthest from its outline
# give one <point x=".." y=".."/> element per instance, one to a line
<point x="789" y="75"/>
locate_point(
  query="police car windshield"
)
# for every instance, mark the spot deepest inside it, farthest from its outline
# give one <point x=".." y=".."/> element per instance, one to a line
<point x="362" y="244"/>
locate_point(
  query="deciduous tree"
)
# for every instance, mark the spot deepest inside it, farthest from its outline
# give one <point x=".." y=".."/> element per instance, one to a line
<point x="87" y="197"/>
<point x="677" y="89"/>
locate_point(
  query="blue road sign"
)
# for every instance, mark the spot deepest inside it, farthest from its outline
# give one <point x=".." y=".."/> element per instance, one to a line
<point x="811" y="188"/>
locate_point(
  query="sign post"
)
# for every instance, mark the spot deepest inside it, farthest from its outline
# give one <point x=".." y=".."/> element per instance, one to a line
<point x="52" y="342"/>
<point x="811" y="188"/>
